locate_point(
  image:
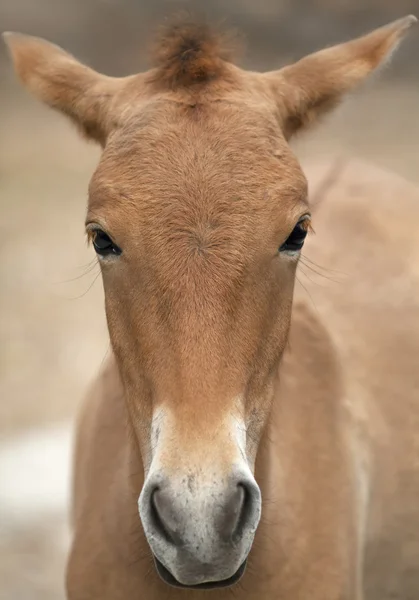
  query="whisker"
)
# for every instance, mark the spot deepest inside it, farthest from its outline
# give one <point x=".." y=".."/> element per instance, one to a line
<point x="309" y="278"/>
<point x="88" y="269"/>
<point x="88" y="289"/>
<point x="327" y="269"/>
<point x="302" y="261"/>
<point x="308" y="293"/>
<point x="105" y="355"/>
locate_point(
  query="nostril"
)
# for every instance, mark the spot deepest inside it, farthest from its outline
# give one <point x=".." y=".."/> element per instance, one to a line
<point x="155" y="517"/>
<point x="162" y="517"/>
<point x="245" y="511"/>
<point x="240" y="514"/>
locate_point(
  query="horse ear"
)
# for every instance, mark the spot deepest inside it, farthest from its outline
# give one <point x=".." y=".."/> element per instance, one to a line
<point x="63" y="83"/>
<point x="311" y="87"/>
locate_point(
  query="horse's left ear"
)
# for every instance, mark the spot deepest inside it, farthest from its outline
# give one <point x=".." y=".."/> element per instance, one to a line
<point x="62" y="82"/>
<point x="315" y="84"/>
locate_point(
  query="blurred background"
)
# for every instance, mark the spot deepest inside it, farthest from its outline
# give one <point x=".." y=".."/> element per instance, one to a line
<point x="52" y="329"/>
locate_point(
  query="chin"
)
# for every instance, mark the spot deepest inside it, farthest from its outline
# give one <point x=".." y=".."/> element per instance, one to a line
<point x="168" y="578"/>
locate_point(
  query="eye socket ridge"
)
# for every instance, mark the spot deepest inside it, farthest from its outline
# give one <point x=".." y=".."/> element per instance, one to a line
<point x="103" y="243"/>
<point x="295" y="241"/>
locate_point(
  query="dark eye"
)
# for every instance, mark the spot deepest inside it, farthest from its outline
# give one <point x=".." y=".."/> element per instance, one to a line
<point x="295" y="241"/>
<point x="103" y="244"/>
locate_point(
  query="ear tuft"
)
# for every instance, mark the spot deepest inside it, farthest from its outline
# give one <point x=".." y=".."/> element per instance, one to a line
<point x="29" y="52"/>
<point x="405" y="22"/>
<point x="387" y="40"/>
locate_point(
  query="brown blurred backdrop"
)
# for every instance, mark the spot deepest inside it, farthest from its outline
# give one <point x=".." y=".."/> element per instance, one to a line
<point x="52" y="329"/>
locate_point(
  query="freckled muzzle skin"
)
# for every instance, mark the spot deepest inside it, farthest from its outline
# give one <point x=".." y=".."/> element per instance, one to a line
<point x="201" y="526"/>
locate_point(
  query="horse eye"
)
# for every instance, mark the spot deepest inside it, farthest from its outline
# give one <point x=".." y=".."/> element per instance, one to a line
<point x="295" y="241"/>
<point x="103" y="244"/>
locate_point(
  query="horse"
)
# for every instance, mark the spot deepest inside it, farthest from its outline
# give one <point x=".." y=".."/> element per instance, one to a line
<point x="241" y="438"/>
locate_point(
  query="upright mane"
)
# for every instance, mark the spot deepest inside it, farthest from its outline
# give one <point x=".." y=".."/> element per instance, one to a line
<point x="186" y="52"/>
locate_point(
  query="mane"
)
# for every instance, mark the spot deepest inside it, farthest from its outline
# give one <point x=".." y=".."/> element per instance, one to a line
<point x="187" y="52"/>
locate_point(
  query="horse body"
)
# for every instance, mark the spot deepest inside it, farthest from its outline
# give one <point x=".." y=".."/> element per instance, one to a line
<point x="371" y="309"/>
<point x="233" y="439"/>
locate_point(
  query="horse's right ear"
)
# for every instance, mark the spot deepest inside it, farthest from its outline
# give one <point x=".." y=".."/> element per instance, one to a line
<point x="311" y="87"/>
<point x="59" y="80"/>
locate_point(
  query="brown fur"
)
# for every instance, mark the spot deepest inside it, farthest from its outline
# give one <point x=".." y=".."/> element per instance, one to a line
<point x="199" y="188"/>
<point x="186" y="53"/>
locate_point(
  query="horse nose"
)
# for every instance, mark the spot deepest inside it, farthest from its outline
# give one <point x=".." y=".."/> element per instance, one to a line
<point x="200" y="528"/>
<point x="235" y="511"/>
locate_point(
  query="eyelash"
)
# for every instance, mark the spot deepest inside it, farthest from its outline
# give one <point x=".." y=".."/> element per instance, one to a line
<point x="103" y="244"/>
<point x="295" y="241"/>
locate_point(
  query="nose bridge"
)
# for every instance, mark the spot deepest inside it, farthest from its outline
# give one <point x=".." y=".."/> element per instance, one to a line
<point x="198" y="438"/>
<point x="206" y="337"/>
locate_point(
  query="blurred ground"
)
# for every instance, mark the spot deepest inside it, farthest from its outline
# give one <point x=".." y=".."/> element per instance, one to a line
<point x="52" y="329"/>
